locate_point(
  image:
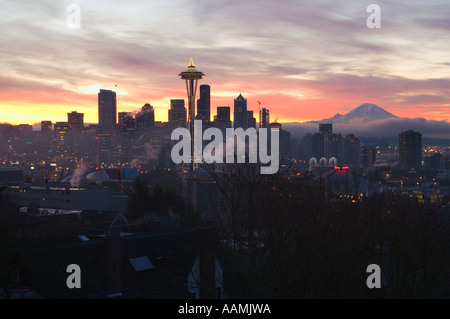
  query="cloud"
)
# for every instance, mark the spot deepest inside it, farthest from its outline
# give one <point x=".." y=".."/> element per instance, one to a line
<point x="383" y="128"/>
<point x="305" y="60"/>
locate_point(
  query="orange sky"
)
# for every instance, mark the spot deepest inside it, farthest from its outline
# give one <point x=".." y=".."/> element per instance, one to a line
<point x="302" y="61"/>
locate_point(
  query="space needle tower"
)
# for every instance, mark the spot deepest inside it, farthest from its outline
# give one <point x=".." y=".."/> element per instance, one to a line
<point x="191" y="76"/>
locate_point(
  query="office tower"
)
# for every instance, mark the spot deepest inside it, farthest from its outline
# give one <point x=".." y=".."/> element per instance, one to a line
<point x="46" y="126"/>
<point x="107" y="110"/>
<point x="128" y="137"/>
<point x="251" y="121"/>
<point x="145" y="119"/>
<point x="222" y="120"/>
<point x="204" y="104"/>
<point x="104" y="149"/>
<point x="410" y="147"/>
<point x="351" y="150"/>
<point x="436" y="162"/>
<point x="368" y="157"/>
<point x="75" y="121"/>
<point x="336" y="146"/>
<point x="240" y="112"/>
<point x="284" y="139"/>
<point x="24" y="129"/>
<point x="60" y="140"/>
<point x="265" y="118"/>
<point x="326" y="128"/>
<point x="317" y="145"/>
<point x="177" y="113"/>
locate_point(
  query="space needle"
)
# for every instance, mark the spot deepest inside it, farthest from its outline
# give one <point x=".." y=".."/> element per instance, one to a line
<point x="191" y="76"/>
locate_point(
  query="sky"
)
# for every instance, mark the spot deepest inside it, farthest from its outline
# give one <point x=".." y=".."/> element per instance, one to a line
<point x="304" y="60"/>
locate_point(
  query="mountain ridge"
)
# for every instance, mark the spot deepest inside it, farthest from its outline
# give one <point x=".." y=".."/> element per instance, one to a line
<point x="364" y="113"/>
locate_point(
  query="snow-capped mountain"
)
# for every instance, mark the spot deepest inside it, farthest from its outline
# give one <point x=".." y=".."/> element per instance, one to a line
<point x="363" y="113"/>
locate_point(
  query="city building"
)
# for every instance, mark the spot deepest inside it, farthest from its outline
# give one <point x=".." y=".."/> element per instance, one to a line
<point x="60" y="144"/>
<point x="204" y="104"/>
<point x="223" y="118"/>
<point x="67" y="198"/>
<point x="410" y="149"/>
<point x="436" y="162"/>
<point x="46" y="126"/>
<point x="177" y="113"/>
<point x="351" y="150"/>
<point x="107" y="111"/>
<point x="368" y="157"/>
<point x="326" y="128"/>
<point x="145" y="119"/>
<point x="75" y="121"/>
<point x="240" y="112"/>
<point x="265" y="118"/>
<point x="251" y="121"/>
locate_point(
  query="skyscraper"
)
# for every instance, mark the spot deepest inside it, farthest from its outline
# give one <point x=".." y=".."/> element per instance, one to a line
<point x="46" y="126"/>
<point x="75" y="121"/>
<point x="240" y="112"/>
<point x="368" y="157"/>
<point x="326" y="128"/>
<point x="222" y="120"/>
<point x="265" y="118"/>
<point x="251" y="121"/>
<point x="410" y="147"/>
<point x="60" y="140"/>
<point x="204" y="104"/>
<point x="351" y="150"/>
<point x="145" y="119"/>
<point x="107" y="110"/>
<point x="177" y="113"/>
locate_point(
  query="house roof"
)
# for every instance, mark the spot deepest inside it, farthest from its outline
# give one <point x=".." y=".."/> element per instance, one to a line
<point x="171" y="254"/>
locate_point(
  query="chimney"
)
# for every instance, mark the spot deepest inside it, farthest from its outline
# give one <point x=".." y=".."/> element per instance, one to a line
<point x="113" y="262"/>
<point x="207" y="245"/>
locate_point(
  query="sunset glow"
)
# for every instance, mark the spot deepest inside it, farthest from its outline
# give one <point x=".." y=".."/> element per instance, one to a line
<point x="303" y="61"/>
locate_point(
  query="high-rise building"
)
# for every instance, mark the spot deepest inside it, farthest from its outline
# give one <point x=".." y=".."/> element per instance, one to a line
<point x="222" y="120"/>
<point x="251" y="121"/>
<point x="145" y="119"/>
<point x="410" y="147"/>
<point x="368" y="157"/>
<point x="75" y="121"/>
<point x="326" y="128"/>
<point x="46" y="126"/>
<point x="177" y="113"/>
<point x="318" y="145"/>
<point x="60" y="140"/>
<point x="204" y="104"/>
<point x="240" y="112"/>
<point x="265" y="118"/>
<point x="351" y="150"/>
<point x="107" y="111"/>
<point x="436" y="162"/>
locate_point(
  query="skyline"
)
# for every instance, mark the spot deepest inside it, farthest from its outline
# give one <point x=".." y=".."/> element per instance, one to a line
<point x="302" y="61"/>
